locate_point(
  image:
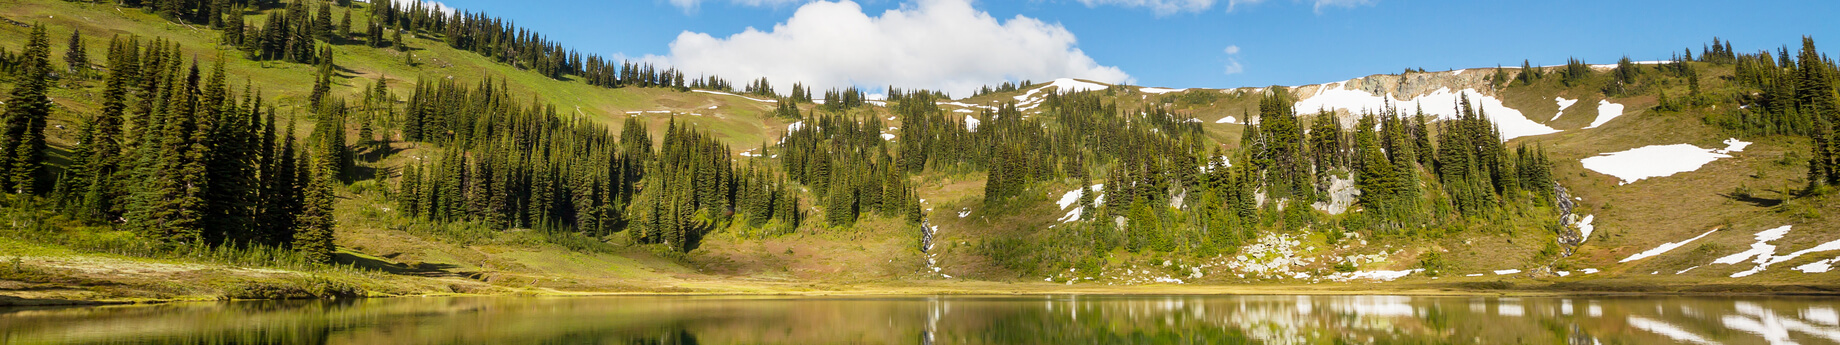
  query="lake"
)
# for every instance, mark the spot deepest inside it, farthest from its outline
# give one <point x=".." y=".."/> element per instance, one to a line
<point x="1059" y="319"/>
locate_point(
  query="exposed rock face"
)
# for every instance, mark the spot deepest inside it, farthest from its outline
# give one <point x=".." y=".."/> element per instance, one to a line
<point x="1342" y="193"/>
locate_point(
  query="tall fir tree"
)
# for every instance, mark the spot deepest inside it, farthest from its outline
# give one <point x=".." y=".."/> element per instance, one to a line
<point x="22" y="134"/>
<point x="76" y="57"/>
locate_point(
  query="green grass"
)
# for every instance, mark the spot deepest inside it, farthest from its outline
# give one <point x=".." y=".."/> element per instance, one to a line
<point x="1630" y="218"/>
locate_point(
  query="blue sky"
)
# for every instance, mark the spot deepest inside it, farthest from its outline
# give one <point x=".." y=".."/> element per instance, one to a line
<point x="1168" y="43"/>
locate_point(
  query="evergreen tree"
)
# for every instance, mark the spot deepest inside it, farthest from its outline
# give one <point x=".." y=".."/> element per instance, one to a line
<point x="98" y="158"/>
<point x="22" y="135"/>
<point x="75" y="57"/>
<point x="313" y="234"/>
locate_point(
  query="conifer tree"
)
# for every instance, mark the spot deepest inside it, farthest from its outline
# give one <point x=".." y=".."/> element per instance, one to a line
<point x="313" y="234"/>
<point x="98" y="159"/>
<point x="76" y="59"/>
<point x="322" y="84"/>
<point x="22" y="134"/>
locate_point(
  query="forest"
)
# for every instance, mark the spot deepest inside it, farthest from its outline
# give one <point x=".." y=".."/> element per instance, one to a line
<point x="183" y="156"/>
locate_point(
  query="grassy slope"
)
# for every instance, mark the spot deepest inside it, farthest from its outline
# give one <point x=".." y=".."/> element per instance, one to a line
<point x="1630" y="218"/>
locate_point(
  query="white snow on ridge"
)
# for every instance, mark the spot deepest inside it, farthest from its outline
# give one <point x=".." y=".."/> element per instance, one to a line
<point x="1064" y="85"/>
<point x="1606" y="111"/>
<point x="1158" y="90"/>
<point x="1563" y="104"/>
<point x="1658" y="160"/>
<point x="1507" y="272"/>
<point x="1765" y="254"/>
<point x="971" y="123"/>
<point x="730" y="94"/>
<point x="1228" y="119"/>
<point x="963" y="105"/>
<point x="1665" y="247"/>
<point x="1441" y="103"/>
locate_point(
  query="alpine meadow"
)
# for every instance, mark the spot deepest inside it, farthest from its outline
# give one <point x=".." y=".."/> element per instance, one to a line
<point x="212" y="152"/>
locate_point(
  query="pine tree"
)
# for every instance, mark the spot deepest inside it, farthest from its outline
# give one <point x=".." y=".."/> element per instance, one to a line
<point x="98" y="159"/>
<point x="344" y="26"/>
<point x="322" y="85"/>
<point x="75" y="57"/>
<point x="22" y="135"/>
<point x="313" y="234"/>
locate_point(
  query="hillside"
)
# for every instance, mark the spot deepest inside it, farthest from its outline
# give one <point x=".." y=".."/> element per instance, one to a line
<point x="1678" y="176"/>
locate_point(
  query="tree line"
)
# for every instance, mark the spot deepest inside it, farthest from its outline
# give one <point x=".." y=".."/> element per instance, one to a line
<point x="173" y="154"/>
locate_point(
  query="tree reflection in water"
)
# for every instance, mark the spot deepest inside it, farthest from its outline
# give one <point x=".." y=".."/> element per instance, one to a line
<point x="1065" y="319"/>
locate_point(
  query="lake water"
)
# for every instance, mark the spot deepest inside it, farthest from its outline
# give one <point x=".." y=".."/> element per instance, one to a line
<point x="944" y="320"/>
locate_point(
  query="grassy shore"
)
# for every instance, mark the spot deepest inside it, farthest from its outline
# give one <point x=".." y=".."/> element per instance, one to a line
<point x="37" y="274"/>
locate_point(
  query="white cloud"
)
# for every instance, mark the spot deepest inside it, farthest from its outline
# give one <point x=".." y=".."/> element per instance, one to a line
<point x="1233" y="66"/>
<point x="1161" y="7"/>
<point x="1315" y="4"/>
<point x="933" y="44"/>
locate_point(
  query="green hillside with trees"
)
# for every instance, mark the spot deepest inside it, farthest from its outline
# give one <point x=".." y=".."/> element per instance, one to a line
<point x="374" y="149"/>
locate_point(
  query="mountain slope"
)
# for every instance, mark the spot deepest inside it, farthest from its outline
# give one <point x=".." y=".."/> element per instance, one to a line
<point x="1024" y="238"/>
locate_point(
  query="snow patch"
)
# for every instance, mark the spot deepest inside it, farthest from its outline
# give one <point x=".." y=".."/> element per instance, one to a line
<point x="963" y="105"/>
<point x="971" y="123"/>
<point x="1158" y="90"/>
<point x="1655" y="161"/>
<point x="1563" y="104"/>
<point x="1074" y="195"/>
<point x="1228" y="119"/>
<point x="1606" y="111"/>
<point x="730" y="94"/>
<point x="888" y="137"/>
<point x="1585" y="228"/>
<point x="1665" y="247"/>
<point x="1511" y="122"/>
<point x="1818" y="266"/>
<point x="1733" y="145"/>
<point x="1063" y="85"/>
<point x="1507" y="272"/>
<point x="1765" y="254"/>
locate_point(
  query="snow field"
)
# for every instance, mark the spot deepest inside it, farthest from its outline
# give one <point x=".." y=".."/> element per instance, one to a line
<point x="1606" y="111"/>
<point x="1441" y="103"/>
<point x="1658" y="160"/>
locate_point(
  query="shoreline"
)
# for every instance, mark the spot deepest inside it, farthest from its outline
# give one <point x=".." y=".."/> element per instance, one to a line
<point x="998" y="289"/>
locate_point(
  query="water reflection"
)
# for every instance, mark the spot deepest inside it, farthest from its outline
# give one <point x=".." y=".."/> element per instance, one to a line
<point x="944" y="320"/>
